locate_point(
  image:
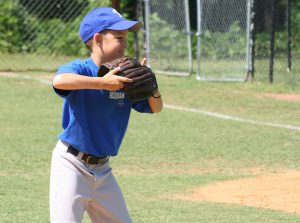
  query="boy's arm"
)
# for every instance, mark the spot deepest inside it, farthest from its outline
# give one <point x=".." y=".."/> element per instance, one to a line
<point x="155" y="102"/>
<point x="69" y="81"/>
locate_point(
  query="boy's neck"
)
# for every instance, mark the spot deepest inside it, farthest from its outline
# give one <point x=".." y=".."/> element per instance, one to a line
<point x="97" y="60"/>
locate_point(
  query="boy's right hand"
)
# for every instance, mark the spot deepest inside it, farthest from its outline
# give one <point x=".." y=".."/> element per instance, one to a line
<point x="114" y="82"/>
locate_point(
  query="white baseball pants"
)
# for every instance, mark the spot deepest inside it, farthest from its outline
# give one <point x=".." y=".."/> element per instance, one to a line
<point x="76" y="187"/>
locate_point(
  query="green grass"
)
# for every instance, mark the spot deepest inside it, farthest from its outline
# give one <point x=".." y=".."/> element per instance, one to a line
<point x="230" y="69"/>
<point x="162" y="155"/>
<point x="31" y="62"/>
<point x="235" y="69"/>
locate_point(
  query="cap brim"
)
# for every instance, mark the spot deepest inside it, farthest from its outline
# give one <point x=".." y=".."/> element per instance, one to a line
<point x="131" y="26"/>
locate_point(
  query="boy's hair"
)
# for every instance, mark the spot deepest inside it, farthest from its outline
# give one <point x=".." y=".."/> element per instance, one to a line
<point x="89" y="43"/>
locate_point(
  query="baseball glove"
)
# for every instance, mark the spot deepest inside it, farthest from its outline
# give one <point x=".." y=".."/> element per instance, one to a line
<point x="144" y="83"/>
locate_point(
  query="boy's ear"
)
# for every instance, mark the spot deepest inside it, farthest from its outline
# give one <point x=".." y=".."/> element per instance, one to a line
<point x="97" y="38"/>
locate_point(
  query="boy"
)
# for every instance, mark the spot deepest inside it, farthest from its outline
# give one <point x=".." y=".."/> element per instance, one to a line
<point x="95" y="117"/>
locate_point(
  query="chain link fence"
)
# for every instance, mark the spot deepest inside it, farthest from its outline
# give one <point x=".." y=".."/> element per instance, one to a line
<point x="41" y="35"/>
<point x="168" y="38"/>
<point x="223" y="40"/>
<point x="233" y="38"/>
<point x="276" y="41"/>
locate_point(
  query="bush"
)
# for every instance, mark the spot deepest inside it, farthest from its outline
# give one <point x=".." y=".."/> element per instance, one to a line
<point x="57" y="38"/>
<point x="56" y="9"/>
<point x="14" y="24"/>
<point x="22" y="32"/>
<point x="222" y="45"/>
<point x="166" y="39"/>
<point x="262" y="44"/>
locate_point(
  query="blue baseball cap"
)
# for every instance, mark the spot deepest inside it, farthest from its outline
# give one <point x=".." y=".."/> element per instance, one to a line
<point x="100" y="19"/>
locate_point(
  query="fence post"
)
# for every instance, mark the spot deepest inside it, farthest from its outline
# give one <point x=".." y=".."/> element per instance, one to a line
<point x="188" y="30"/>
<point x="272" y="43"/>
<point x="289" y="40"/>
<point x="198" y="34"/>
<point x="250" y="26"/>
<point x="147" y="32"/>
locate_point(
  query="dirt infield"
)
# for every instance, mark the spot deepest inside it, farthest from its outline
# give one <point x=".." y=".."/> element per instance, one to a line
<point x="281" y="96"/>
<point x="276" y="191"/>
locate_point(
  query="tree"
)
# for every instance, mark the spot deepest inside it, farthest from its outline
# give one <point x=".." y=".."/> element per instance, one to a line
<point x="50" y="9"/>
<point x="263" y="16"/>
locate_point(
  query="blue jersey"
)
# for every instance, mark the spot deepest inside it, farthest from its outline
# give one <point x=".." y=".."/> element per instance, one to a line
<point x="95" y="121"/>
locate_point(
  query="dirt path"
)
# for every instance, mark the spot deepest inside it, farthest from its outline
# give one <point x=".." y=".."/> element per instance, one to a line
<point x="276" y="191"/>
<point x="281" y="96"/>
<point x="8" y="74"/>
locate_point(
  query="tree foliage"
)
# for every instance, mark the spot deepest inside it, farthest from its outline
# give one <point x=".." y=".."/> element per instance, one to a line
<point x="14" y="23"/>
<point x="51" y="26"/>
<point x="30" y="26"/>
<point x="65" y="10"/>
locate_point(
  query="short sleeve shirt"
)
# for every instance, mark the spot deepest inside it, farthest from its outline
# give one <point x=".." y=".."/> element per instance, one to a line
<point x="95" y="121"/>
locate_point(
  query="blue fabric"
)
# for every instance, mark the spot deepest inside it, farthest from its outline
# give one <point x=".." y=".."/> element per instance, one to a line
<point x="100" y="19"/>
<point x="95" y="121"/>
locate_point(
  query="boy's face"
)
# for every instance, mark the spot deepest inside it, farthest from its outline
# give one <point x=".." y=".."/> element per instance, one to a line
<point x="114" y="44"/>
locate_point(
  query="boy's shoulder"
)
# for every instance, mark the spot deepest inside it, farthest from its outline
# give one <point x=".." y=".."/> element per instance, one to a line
<point x="79" y="66"/>
<point x="77" y="62"/>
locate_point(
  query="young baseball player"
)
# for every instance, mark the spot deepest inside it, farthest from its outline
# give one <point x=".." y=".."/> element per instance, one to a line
<point x="94" y="119"/>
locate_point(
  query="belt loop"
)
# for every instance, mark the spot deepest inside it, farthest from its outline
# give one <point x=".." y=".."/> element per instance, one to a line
<point x="87" y="158"/>
<point x="84" y="156"/>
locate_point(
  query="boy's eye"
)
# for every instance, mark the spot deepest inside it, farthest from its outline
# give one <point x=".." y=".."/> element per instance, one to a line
<point x="121" y="39"/>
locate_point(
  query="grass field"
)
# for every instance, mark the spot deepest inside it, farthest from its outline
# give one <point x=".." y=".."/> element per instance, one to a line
<point x="210" y="69"/>
<point x="162" y="155"/>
